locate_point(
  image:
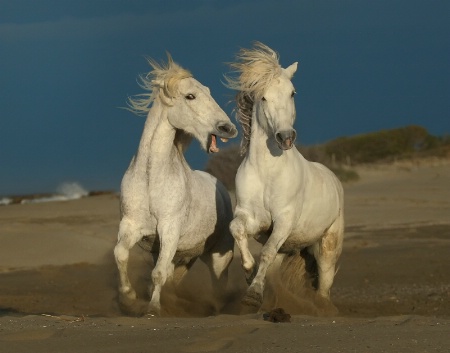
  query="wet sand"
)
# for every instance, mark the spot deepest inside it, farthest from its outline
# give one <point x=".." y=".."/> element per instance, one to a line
<point x="58" y="280"/>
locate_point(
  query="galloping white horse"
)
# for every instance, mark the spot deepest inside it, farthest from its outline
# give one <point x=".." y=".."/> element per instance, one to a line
<point x="284" y="201"/>
<point x="183" y="214"/>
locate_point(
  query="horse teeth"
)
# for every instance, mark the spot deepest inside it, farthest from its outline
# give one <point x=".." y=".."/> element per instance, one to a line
<point x="223" y="139"/>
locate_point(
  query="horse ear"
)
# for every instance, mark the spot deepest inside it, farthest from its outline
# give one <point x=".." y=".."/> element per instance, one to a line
<point x="163" y="92"/>
<point x="165" y="98"/>
<point x="290" y="70"/>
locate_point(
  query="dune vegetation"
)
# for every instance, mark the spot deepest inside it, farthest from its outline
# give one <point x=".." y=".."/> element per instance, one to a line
<point x="344" y="153"/>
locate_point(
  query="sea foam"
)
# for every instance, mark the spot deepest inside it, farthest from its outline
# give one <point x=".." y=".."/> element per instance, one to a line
<point x="5" y="201"/>
<point x="65" y="191"/>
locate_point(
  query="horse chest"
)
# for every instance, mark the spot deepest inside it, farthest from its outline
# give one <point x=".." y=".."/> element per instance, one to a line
<point x="166" y="191"/>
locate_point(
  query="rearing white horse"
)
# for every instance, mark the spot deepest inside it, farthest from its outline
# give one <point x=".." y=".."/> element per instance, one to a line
<point x="183" y="214"/>
<point x="286" y="202"/>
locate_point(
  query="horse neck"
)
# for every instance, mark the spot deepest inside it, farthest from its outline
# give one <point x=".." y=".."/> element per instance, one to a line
<point x="158" y="146"/>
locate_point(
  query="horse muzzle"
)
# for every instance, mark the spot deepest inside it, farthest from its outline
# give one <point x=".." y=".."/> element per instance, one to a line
<point x="226" y="130"/>
<point x="285" y="139"/>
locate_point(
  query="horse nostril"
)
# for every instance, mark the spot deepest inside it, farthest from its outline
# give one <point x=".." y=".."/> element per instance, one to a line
<point x="279" y="137"/>
<point x="294" y="135"/>
<point x="286" y="138"/>
<point x="225" y="128"/>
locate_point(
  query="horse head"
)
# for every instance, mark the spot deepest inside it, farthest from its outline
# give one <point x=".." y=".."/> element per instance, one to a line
<point x="194" y="111"/>
<point x="265" y="94"/>
<point x="189" y="105"/>
<point x="275" y="109"/>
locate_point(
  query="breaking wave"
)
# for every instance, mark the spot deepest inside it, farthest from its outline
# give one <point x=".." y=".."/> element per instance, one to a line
<point x="64" y="192"/>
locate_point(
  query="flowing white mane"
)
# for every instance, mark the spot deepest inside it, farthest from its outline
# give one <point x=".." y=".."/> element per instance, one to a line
<point x="255" y="69"/>
<point x="162" y="80"/>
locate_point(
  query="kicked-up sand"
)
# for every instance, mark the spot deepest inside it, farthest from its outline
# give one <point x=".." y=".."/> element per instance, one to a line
<point x="58" y="280"/>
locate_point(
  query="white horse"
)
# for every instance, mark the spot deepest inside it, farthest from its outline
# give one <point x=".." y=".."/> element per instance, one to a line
<point x="183" y="214"/>
<point x="286" y="202"/>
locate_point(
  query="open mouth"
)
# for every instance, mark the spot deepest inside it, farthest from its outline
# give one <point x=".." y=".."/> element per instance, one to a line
<point x="213" y="143"/>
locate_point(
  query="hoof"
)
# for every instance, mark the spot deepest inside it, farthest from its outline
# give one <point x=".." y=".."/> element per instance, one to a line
<point x="132" y="307"/>
<point x="153" y="310"/>
<point x="128" y="298"/>
<point x="252" y="299"/>
<point x="325" y="306"/>
<point x="128" y="295"/>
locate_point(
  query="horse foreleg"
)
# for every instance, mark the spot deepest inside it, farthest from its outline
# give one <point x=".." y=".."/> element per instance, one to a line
<point x="240" y="234"/>
<point x="168" y="235"/>
<point x="254" y="294"/>
<point x="127" y="238"/>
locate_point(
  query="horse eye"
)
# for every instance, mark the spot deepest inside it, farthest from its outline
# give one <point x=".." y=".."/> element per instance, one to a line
<point x="263" y="98"/>
<point x="293" y="93"/>
<point x="190" y="96"/>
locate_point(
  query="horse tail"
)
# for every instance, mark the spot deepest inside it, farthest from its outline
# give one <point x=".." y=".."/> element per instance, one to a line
<point x="291" y="283"/>
<point x="296" y="271"/>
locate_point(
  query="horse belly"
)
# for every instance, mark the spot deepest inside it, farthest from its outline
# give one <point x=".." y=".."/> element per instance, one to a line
<point x="299" y="241"/>
<point x="185" y="249"/>
<point x="190" y="250"/>
<point x="309" y="230"/>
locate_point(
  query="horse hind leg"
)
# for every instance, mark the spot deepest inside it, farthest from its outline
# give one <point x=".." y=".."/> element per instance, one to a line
<point x="326" y="252"/>
<point x="218" y="260"/>
<point x="180" y="270"/>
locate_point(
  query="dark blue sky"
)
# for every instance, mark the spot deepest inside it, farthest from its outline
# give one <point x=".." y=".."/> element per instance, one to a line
<point x="67" y="66"/>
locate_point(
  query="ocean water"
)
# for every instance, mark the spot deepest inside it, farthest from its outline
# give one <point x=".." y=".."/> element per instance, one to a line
<point x="64" y="192"/>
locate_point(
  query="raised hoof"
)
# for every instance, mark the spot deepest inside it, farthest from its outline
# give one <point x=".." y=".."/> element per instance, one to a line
<point x="252" y="299"/>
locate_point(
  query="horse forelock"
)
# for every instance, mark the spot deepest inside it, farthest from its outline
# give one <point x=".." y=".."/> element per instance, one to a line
<point x="256" y="68"/>
<point x="162" y="81"/>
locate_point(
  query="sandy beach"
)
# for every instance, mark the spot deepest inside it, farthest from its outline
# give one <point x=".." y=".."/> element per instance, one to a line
<point x="58" y="280"/>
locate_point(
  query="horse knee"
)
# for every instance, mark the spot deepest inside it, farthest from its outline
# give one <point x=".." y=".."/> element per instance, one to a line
<point x="129" y="232"/>
<point x="237" y="228"/>
<point x="268" y="253"/>
<point x="121" y="253"/>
